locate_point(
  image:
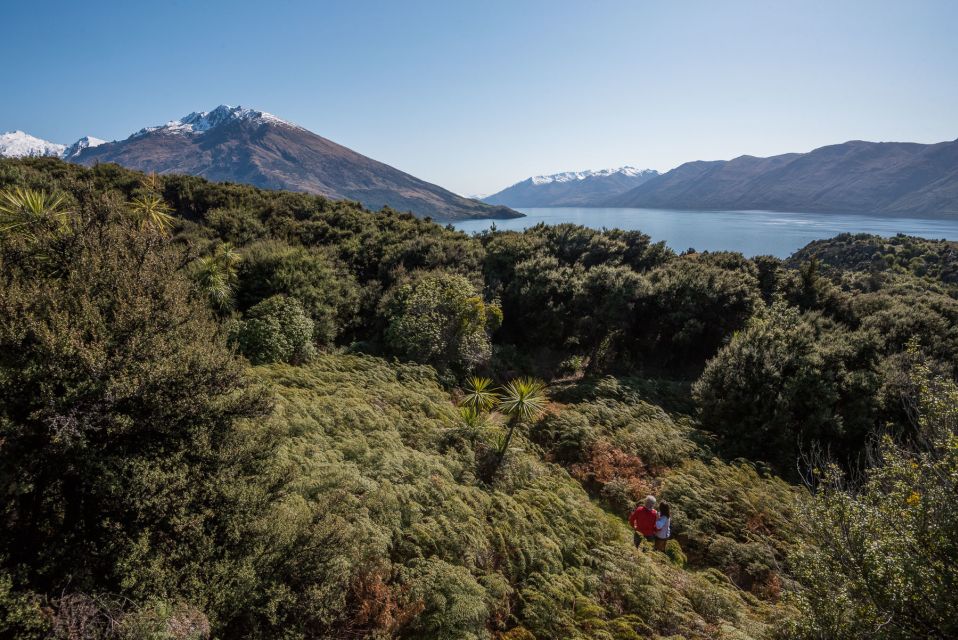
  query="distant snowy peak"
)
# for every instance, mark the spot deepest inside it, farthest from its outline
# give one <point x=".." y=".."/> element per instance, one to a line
<point x="571" y="176"/>
<point x="200" y="122"/>
<point x="86" y="142"/>
<point x="17" y="144"/>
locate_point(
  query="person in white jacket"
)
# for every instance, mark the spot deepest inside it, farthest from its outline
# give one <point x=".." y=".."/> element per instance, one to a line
<point x="663" y="526"/>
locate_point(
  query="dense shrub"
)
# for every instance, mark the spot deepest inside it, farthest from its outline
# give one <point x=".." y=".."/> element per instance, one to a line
<point x="790" y="381"/>
<point x="885" y="546"/>
<point x="123" y="465"/>
<point x="440" y="319"/>
<point x="325" y="289"/>
<point x="277" y="330"/>
<point x="694" y="304"/>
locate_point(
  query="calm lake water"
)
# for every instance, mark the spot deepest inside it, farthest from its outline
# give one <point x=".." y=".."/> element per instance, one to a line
<point x="751" y="232"/>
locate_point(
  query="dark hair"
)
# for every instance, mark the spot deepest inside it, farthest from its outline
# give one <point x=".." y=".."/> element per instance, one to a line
<point x="665" y="509"/>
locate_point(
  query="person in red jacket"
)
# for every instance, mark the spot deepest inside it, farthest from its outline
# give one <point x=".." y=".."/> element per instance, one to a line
<point x="643" y="521"/>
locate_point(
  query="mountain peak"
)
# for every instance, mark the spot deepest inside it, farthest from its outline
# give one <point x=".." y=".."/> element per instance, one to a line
<point x="570" y="176"/>
<point x="199" y="122"/>
<point x="86" y="142"/>
<point x="19" y="144"/>
<point x="571" y="188"/>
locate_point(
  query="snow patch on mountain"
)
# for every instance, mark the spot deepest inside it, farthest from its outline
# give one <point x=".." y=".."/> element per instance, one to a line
<point x="18" y="144"/>
<point x="571" y="176"/>
<point x="86" y="142"/>
<point x="200" y="122"/>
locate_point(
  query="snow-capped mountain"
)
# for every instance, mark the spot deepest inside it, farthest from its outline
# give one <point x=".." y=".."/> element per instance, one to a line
<point x="202" y="121"/>
<point x="86" y="142"/>
<point x="236" y="144"/>
<point x="570" y="176"/>
<point x="572" y="188"/>
<point x="17" y="144"/>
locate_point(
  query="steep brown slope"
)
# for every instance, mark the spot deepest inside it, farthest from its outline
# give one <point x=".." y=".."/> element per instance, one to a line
<point x="230" y="144"/>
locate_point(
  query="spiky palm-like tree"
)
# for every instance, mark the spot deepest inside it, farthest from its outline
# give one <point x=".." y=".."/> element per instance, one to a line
<point x="523" y="400"/>
<point x="150" y="209"/>
<point x="25" y="211"/>
<point x="216" y="275"/>
<point x="479" y="395"/>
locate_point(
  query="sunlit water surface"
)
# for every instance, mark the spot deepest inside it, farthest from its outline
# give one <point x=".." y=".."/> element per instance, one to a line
<point x="750" y="232"/>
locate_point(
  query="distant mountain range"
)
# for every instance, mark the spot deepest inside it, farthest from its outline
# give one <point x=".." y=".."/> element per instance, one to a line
<point x="233" y="144"/>
<point x="572" y="188"/>
<point x="17" y="144"/>
<point x="854" y="177"/>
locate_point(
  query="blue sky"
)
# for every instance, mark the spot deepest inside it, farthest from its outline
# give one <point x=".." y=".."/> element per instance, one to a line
<point x="477" y="95"/>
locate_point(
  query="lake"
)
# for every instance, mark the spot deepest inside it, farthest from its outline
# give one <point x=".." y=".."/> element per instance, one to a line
<point x="750" y="232"/>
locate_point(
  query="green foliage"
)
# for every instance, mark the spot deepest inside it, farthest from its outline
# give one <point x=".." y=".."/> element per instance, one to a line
<point x="391" y="499"/>
<point x="673" y="551"/>
<point x="25" y="211"/>
<point x="149" y="209"/>
<point x="21" y="614"/>
<point x="731" y="517"/>
<point x="122" y="464"/>
<point x="695" y="303"/>
<point x="439" y="319"/>
<point x="885" y="547"/>
<point x="710" y="600"/>
<point x="277" y="330"/>
<point x="328" y="293"/>
<point x="479" y="394"/>
<point x="933" y="259"/>
<point x="523" y="401"/>
<point x="454" y="604"/>
<point x="789" y="381"/>
<point x="216" y="275"/>
<point x="144" y="485"/>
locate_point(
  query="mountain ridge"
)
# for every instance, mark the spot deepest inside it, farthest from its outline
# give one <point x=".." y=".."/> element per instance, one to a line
<point x="19" y="144"/>
<point x="237" y="144"/>
<point x="856" y="176"/>
<point x="571" y="188"/>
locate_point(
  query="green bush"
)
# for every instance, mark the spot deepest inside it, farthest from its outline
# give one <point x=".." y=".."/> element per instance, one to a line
<point x="21" y="614"/>
<point x="326" y="290"/>
<point x="276" y="330"/>
<point x="440" y="319"/>
<point x="789" y="381"/>
<point x="124" y="460"/>
<point x="673" y="551"/>
<point x="711" y="599"/>
<point x="885" y="546"/>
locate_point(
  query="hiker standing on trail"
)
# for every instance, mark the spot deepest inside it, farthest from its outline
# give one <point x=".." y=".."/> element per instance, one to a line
<point x="663" y="526"/>
<point x="643" y="521"/>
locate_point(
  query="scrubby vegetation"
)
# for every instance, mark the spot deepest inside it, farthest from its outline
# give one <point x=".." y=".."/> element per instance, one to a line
<point x="234" y="413"/>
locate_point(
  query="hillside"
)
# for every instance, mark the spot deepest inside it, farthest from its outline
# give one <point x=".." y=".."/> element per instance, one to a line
<point x="387" y="437"/>
<point x="932" y="259"/>
<point x="228" y="412"/>
<point x="854" y="177"/>
<point x="572" y="188"/>
<point x="233" y="144"/>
